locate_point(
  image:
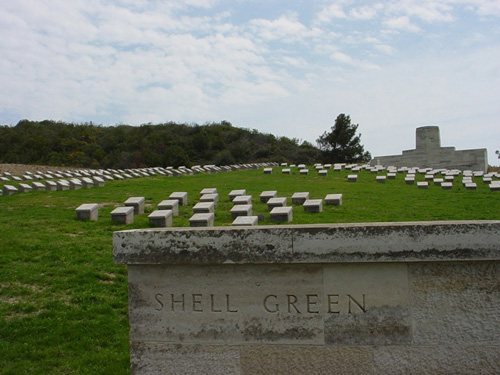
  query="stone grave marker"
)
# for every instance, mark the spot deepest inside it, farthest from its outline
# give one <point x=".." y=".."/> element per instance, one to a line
<point x="170" y="204"/>
<point x="87" y="211"/>
<point x="123" y="215"/>
<point x="137" y="203"/>
<point x="160" y="218"/>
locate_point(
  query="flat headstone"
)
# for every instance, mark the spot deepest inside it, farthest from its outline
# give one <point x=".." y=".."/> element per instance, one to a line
<point x="409" y="180"/>
<point x="276" y="202"/>
<point x="438" y="181"/>
<point x="268" y="170"/>
<point x="446" y="186"/>
<point x="300" y="197"/>
<point x="471" y="186"/>
<point x="75" y="184"/>
<point x="352" y="178"/>
<point x="25" y="188"/>
<point x="204" y="207"/>
<point x="242" y="199"/>
<point x="303" y="171"/>
<point x="208" y="191"/>
<point x="87" y="211"/>
<point x="202" y="220"/>
<point x="322" y="172"/>
<point x="99" y="181"/>
<point x="213" y="197"/>
<point x="391" y="175"/>
<point x="50" y="186"/>
<point x="137" y="203"/>
<point x="333" y="199"/>
<point x="170" y="204"/>
<point x="281" y="214"/>
<point x="422" y="185"/>
<point x="123" y="215"/>
<point x="180" y="196"/>
<point x="313" y="205"/>
<point x="9" y="190"/>
<point x="38" y="186"/>
<point x="266" y="195"/>
<point x="241" y="210"/>
<point x="235" y="193"/>
<point x="87" y="182"/>
<point x="381" y="179"/>
<point x="62" y="185"/>
<point x="160" y="218"/>
<point x="286" y="171"/>
<point x="495" y="186"/>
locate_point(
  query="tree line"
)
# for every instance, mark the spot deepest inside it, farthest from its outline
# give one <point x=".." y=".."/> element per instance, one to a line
<point x="169" y="144"/>
<point x="123" y="146"/>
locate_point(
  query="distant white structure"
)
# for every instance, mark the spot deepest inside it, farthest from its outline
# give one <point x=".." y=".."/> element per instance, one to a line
<point x="430" y="154"/>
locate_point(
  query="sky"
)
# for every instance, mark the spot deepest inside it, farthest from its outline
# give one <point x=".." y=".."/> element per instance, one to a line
<point x="283" y="67"/>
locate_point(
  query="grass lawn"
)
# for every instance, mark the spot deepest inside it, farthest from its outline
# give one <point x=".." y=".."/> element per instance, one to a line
<point x="63" y="302"/>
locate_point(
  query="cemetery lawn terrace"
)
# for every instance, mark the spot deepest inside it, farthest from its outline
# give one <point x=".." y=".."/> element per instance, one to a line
<point x="63" y="302"/>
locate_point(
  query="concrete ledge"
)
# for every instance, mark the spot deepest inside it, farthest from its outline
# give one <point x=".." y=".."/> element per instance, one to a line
<point x="378" y="298"/>
<point x="322" y="243"/>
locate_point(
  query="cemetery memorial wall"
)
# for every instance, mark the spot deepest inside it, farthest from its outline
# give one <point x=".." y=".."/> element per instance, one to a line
<point x="429" y="153"/>
<point x="379" y="298"/>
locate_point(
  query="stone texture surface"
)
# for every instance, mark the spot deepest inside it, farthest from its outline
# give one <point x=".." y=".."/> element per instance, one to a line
<point x="366" y="304"/>
<point x="395" y="242"/>
<point x="398" y="298"/>
<point x="154" y="358"/>
<point x="226" y="304"/>
<point x="442" y="359"/>
<point x="456" y="303"/>
<point x="303" y="360"/>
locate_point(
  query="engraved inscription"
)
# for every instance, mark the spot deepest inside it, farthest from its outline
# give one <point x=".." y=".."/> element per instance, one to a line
<point x="271" y="303"/>
<point x="196" y="302"/>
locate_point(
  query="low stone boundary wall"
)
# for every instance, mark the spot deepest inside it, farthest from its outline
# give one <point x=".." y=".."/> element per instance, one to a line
<point x="379" y="298"/>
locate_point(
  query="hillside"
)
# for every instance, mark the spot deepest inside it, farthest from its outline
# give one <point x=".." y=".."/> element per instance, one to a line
<point x="94" y="146"/>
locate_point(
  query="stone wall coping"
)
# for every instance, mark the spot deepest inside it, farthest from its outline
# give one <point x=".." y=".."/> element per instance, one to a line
<point x="316" y="243"/>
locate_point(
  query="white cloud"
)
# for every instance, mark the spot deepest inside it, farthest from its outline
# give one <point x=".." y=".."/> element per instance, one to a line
<point x="401" y="23"/>
<point x="330" y="12"/>
<point x="364" y="13"/>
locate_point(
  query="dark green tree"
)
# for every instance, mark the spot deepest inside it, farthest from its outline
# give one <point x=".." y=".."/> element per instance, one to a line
<point x="341" y="144"/>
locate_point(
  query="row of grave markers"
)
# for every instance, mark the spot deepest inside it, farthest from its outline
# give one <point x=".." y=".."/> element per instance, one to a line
<point x="446" y="183"/>
<point x="204" y="210"/>
<point x="66" y="180"/>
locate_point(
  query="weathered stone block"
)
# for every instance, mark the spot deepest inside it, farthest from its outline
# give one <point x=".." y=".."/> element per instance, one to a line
<point x="236" y="193"/>
<point x="170" y="204"/>
<point x="276" y="202"/>
<point x="88" y="211"/>
<point x="204" y="207"/>
<point x="333" y="199"/>
<point x="281" y="214"/>
<point x="245" y="221"/>
<point x="123" y="215"/>
<point x="25" y="188"/>
<point x="208" y="191"/>
<point x="202" y="220"/>
<point x="242" y="199"/>
<point x="180" y="196"/>
<point x="137" y="203"/>
<point x="266" y="195"/>
<point x="241" y="210"/>
<point x="300" y="198"/>
<point x="160" y="218"/>
<point x="313" y="205"/>
<point x="9" y="190"/>
<point x="214" y="198"/>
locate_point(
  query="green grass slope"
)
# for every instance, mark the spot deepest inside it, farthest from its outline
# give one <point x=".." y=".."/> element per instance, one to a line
<point x="63" y="302"/>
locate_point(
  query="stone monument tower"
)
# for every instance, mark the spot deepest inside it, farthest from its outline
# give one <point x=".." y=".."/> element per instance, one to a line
<point x="429" y="154"/>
